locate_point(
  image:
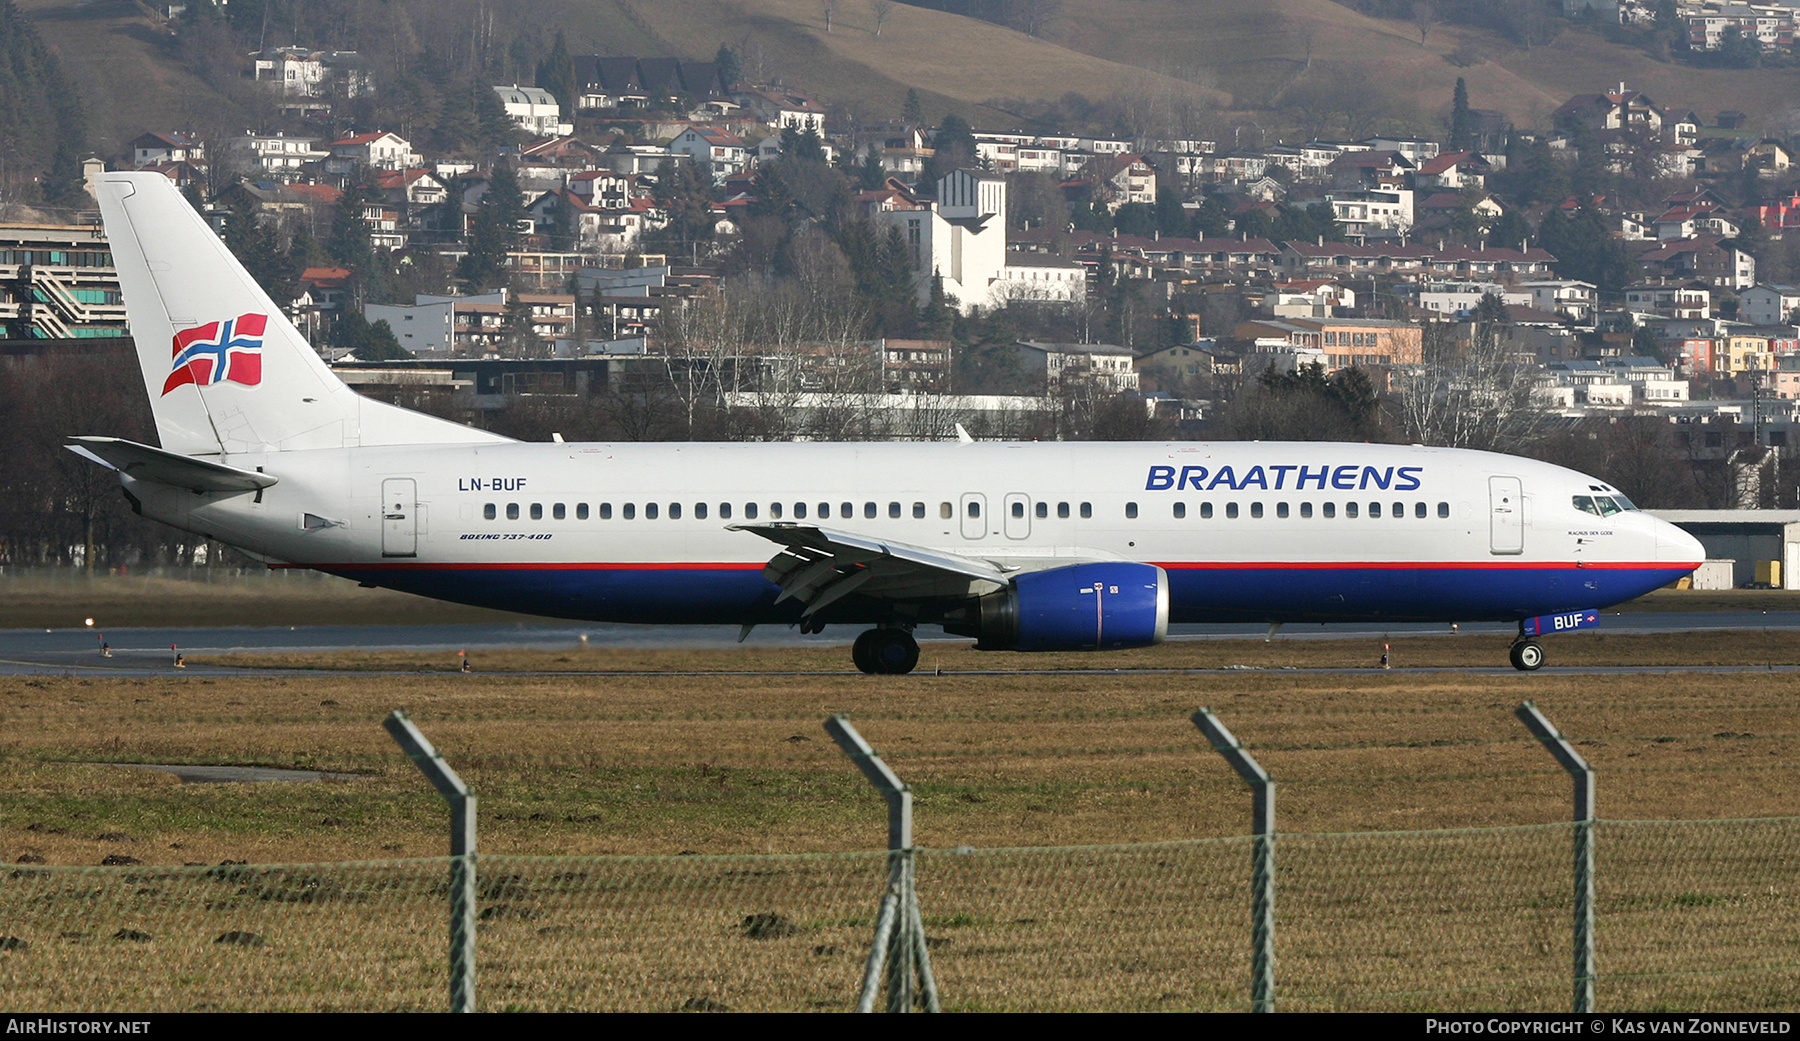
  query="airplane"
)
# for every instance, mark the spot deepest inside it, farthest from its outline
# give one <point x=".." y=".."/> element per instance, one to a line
<point x="1022" y="546"/>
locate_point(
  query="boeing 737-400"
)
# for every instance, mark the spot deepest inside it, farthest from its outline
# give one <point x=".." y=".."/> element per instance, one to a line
<point x="1025" y="547"/>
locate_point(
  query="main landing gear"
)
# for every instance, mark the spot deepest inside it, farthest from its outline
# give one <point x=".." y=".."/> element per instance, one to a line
<point x="1526" y="655"/>
<point x="889" y="652"/>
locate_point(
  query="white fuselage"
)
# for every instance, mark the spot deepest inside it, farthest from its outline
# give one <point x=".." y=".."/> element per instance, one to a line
<point x="643" y="532"/>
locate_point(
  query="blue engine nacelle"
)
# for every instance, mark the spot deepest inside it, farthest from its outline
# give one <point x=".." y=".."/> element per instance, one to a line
<point x="1083" y="607"/>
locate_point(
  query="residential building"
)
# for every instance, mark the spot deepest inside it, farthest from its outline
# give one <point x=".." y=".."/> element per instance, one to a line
<point x="534" y="110"/>
<point x="1344" y="341"/>
<point x="374" y="151"/>
<point x="1768" y="304"/>
<point x="155" y="147"/>
<point x="722" y="153"/>
<point x="274" y="156"/>
<point x="299" y="73"/>
<point x="1059" y="366"/>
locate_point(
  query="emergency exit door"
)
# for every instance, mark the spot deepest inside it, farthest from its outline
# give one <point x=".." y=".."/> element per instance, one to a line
<point x="399" y="517"/>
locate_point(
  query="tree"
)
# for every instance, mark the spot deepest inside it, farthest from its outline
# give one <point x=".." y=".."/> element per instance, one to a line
<point x="1425" y="18"/>
<point x="1461" y="137"/>
<point x="730" y="66"/>
<point x="494" y="231"/>
<point x="556" y="74"/>
<point x="882" y="11"/>
<point x="913" y="111"/>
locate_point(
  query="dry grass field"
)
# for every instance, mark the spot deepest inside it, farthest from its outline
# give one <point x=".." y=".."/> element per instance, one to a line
<point x="715" y="766"/>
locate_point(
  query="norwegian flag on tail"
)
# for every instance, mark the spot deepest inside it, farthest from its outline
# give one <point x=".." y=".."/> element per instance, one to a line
<point x="219" y="351"/>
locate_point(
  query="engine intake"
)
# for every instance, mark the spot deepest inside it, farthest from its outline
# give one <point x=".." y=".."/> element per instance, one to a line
<point x="1083" y="607"/>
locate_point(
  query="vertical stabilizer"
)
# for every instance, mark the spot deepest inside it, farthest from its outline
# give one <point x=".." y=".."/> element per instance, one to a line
<point x="225" y="370"/>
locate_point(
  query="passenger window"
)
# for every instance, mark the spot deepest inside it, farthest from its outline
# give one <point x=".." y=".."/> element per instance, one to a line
<point x="699" y="511"/>
<point x="1062" y="510"/>
<point x="1206" y="511"/>
<point x="799" y="511"/>
<point x="974" y="508"/>
<point x="1305" y="510"/>
<point x="1131" y="510"/>
<point x="946" y="511"/>
<point x="1374" y="509"/>
<point x="512" y="511"/>
<point x="606" y="511"/>
<point x="869" y="510"/>
<point x="581" y="511"/>
<point x="1419" y="510"/>
<point x="1256" y="510"/>
<point x="1043" y="510"/>
<point x="725" y="511"/>
<point x="651" y="511"/>
<point x="537" y="511"/>
<point x="1231" y="511"/>
<point x="825" y="511"/>
<point x="1087" y="510"/>
<point x="750" y="511"/>
<point x="1281" y="509"/>
<point x="674" y="511"/>
<point x="1399" y="511"/>
<point x="557" y="511"/>
<point x="1329" y="510"/>
<point x="488" y="512"/>
<point x="1444" y="510"/>
<point x="1180" y="510"/>
<point x="846" y="510"/>
<point x="628" y="511"/>
<point x="1350" y="510"/>
<point x="893" y="511"/>
<point x="918" y="511"/>
<point x="1018" y="510"/>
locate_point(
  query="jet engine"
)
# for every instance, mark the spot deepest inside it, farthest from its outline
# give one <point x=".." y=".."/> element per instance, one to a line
<point x="1083" y="607"/>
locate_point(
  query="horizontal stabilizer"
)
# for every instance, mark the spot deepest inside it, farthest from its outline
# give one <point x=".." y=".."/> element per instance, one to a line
<point x="153" y="464"/>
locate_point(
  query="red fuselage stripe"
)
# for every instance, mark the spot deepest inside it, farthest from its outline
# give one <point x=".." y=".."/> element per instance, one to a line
<point x="1285" y="565"/>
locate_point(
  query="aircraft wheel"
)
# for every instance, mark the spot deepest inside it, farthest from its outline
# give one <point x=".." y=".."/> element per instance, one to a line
<point x="862" y="651"/>
<point x="1527" y="656"/>
<point x="893" y="652"/>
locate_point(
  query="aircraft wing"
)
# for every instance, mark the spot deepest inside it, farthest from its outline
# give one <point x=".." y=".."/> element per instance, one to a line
<point x="155" y="464"/>
<point x="818" y="566"/>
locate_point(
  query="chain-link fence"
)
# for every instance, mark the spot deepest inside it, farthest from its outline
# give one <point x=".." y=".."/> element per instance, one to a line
<point x="1691" y="915"/>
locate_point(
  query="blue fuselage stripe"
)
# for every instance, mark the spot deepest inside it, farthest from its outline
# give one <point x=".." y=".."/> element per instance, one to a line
<point x="678" y="595"/>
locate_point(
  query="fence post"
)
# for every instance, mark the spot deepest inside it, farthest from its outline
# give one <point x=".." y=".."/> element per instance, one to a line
<point x="899" y="948"/>
<point x="1262" y="858"/>
<point x="462" y="854"/>
<point x="1583" y="776"/>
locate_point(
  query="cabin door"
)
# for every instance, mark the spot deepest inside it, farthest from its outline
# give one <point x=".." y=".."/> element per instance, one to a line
<point x="1018" y="516"/>
<point x="1506" y="513"/>
<point x="399" y="517"/>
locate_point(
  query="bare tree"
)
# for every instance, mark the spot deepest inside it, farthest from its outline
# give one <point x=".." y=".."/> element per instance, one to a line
<point x="882" y="10"/>
<point x="1424" y="18"/>
<point x="1469" y="394"/>
<point x="829" y="7"/>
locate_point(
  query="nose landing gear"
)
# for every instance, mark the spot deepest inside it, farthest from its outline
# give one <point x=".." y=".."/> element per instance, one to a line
<point x="1526" y="655"/>
<point x="885" y="652"/>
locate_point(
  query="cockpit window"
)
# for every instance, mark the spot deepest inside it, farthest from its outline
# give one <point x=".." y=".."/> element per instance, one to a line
<point x="1603" y="505"/>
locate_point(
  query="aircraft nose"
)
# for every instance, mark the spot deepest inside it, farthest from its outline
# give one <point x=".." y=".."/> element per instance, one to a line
<point x="1674" y="546"/>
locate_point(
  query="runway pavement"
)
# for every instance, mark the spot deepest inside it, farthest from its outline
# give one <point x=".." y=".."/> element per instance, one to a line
<point x="142" y="652"/>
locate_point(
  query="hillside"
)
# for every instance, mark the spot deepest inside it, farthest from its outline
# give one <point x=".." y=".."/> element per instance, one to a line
<point x="1288" y="66"/>
<point x="128" y="78"/>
